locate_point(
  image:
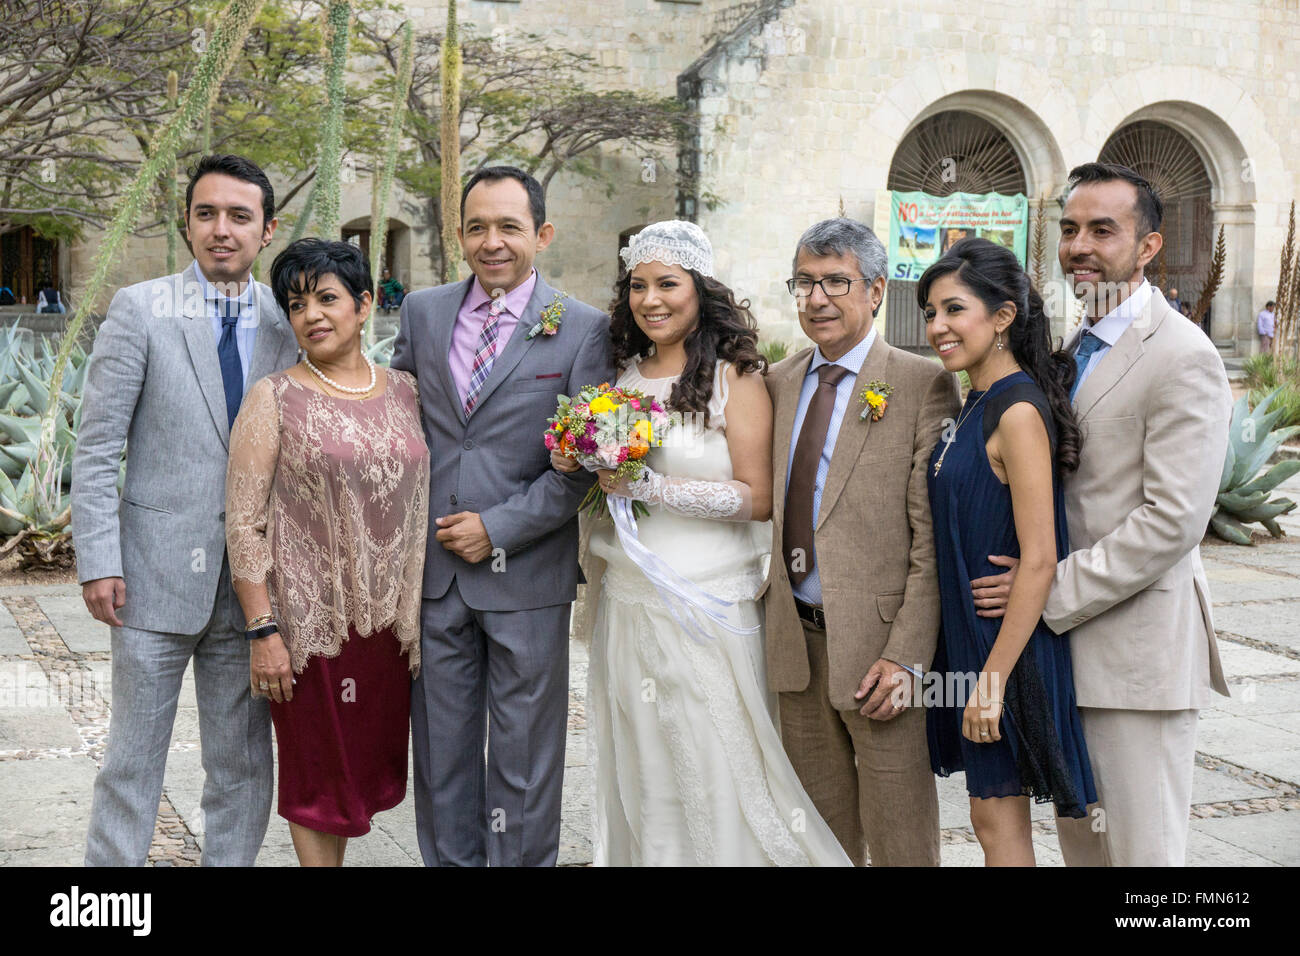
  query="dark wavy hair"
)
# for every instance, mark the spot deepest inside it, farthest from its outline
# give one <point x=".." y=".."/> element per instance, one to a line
<point x="727" y="330"/>
<point x="995" y="275"/>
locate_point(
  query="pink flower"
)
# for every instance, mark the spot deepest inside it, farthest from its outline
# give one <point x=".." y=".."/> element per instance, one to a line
<point x="551" y="443"/>
<point x="622" y="455"/>
<point x="586" y="445"/>
<point x="636" y="404"/>
<point x="591" y="429"/>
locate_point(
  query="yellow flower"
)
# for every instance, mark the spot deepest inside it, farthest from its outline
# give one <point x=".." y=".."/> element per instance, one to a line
<point x="875" y="399"/>
<point x="644" y="429"/>
<point x="602" y="404"/>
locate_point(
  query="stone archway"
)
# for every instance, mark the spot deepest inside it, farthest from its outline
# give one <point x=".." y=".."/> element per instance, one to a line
<point x="1197" y="160"/>
<point x="970" y="141"/>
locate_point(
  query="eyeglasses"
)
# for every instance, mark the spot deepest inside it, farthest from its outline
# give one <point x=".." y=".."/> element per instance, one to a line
<point x="832" y="286"/>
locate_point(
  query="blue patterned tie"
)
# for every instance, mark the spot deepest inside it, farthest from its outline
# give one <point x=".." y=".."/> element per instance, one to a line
<point x="1087" y="345"/>
<point x="232" y="372"/>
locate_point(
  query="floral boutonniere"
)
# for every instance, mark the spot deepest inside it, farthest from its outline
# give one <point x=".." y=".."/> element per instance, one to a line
<point x="875" y="399"/>
<point x="549" y="323"/>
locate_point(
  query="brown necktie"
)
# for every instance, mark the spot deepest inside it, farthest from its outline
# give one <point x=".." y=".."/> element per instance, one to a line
<point x="797" y="536"/>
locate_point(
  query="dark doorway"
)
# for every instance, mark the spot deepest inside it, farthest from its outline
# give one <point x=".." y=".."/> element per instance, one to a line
<point x="28" y="263"/>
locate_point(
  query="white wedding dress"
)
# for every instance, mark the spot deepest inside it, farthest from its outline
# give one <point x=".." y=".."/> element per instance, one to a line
<point x="688" y="762"/>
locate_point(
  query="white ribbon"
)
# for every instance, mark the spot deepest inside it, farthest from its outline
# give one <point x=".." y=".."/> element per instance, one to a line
<point x="685" y="600"/>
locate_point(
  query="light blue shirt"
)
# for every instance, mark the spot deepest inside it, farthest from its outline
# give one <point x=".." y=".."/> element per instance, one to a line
<point x="1110" y="327"/>
<point x="810" y="591"/>
<point x="245" y="328"/>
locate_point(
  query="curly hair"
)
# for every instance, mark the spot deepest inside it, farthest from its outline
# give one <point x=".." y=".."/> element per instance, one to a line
<point x="727" y="330"/>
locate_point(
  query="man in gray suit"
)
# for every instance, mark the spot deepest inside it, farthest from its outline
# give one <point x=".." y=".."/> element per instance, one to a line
<point x="501" y="570"/>
<point x="171" y="364"/>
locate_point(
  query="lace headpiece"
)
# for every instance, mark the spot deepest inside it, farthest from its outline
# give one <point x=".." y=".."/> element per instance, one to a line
<point x="674" y="243"/>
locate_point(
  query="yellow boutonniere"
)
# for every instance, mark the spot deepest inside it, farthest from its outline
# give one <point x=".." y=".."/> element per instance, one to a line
<point x="875" y="399"/>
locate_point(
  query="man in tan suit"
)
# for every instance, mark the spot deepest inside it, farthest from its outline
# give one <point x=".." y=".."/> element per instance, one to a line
<point x="853" y="603"/>
<point x="1153" y="403"/>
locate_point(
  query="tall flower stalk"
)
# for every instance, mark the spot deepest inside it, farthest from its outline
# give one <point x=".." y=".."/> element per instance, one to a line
<point x="384" y="184"/>
<point x="327" y="202"/>
<point x="450" y="141"/>
<point x="171" y="195"/>
<point x="227" y="42"/>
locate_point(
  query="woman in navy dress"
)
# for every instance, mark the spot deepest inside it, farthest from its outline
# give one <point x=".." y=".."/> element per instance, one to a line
<point x="1006" y="713"/>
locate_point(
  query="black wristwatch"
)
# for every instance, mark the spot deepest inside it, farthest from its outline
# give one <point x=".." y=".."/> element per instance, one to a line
<point x="266" y="630"/>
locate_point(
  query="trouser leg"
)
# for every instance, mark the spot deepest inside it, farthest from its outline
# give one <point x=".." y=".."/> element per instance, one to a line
<point x="821" y="751"/>
<point x="235" y="736"/>
<point x="528" y="705"/>
<point x="147" y="669"/>
<point x="448" y="728"/>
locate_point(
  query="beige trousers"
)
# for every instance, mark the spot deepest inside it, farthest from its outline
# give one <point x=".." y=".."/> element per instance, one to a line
<point x="869" y="779"/>
<point x="1142" y="764"/>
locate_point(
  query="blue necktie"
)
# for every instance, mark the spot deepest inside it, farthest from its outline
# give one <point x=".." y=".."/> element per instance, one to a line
<point x="1087" y="345"/>
<point x="232" y="372"/>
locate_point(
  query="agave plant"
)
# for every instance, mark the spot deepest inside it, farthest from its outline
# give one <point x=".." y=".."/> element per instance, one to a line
<point x="774" y="350"/>
<point x="1243" y="494"/>
<point x="34" y="514"/>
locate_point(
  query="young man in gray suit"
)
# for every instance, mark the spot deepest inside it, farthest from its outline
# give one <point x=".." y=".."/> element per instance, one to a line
<point x="171" y="364"/>
<point x="501" y="569"/>
<point x="1153" y="402"/>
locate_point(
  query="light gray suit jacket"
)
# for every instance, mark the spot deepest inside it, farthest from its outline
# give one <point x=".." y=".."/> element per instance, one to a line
<point x="1154" y="413"/>
<point x="154" y="382"/>
<point x="494" y="462"/>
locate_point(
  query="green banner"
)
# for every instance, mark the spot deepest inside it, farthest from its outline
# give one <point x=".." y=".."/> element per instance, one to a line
<point x="922" y="227"/>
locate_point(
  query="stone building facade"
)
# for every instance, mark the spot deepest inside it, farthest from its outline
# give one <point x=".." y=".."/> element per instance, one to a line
<point x="808" y="106"/>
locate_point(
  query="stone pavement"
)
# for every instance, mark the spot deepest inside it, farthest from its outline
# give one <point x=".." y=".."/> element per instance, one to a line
<point x="55" y="697"/>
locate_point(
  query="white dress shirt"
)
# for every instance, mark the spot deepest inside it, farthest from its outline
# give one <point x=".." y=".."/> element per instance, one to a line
<point x="1112" y="325"/>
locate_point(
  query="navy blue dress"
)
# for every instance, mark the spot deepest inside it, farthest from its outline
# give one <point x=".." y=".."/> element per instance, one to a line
<point x="1042" y="753"/>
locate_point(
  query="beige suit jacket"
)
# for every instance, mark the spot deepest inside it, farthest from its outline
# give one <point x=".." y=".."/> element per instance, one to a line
<point x="873" y="534"/>
<point x="1154" y="413"/>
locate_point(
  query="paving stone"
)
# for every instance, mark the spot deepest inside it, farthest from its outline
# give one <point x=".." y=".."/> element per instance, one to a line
<point x="1282" y="764"/>
<point x="1237" y="736"/>
<point x="1277" y="622"/>
<point x="1240" y="661"/>
<point x="12" y="641"/>
<point x="81" y="632"/>
<point x="1270" y="836"/>
<point x="1232" y="583"/>
<point x="31" y="715"/>
<point x="72" y="855"/>
<point x="960" y="854"/>
<point x="1211" y="786"/>
<point x="46" y="802"/>
<point x="1258" y="697"/>
<point x="1205" y="848"/>
<point x="1282" y="556"/>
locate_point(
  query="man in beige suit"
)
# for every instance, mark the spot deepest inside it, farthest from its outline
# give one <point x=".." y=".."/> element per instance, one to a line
<point x="1153" y="403"/>
<point x="853" y="603"/>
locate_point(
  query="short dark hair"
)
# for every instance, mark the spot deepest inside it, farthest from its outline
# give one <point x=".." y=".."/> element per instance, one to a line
<point x="1150" y="210"/>
<point x="1269" y="304"/>
<point x="238" y="167"/>
<point x="298" y="268"/>
<point x="536" y="197"/>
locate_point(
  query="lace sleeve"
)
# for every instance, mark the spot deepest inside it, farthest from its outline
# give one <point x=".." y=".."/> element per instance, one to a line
<point x="721" y="500"/>
<point x="254" y="453"/>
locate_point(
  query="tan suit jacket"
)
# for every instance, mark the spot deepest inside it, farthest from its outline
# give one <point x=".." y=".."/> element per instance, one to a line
<point x="1154" y="413"/>
<point x="873" y="534"/>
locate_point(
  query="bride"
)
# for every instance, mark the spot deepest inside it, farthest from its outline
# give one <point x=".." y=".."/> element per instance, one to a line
<point x="688" y="762"/>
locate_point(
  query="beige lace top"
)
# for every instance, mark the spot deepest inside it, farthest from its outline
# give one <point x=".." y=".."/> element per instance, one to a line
<point x="327" y="502"/>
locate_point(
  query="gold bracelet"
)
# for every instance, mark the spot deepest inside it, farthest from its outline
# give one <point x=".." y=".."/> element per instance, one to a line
<point x="259" y="621"/>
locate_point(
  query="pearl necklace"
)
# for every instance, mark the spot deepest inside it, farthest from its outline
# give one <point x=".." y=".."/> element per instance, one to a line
<point x="345" y="388"/>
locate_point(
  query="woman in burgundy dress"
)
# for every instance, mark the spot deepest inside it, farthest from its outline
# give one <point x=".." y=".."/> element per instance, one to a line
<point x="327" y="503"/>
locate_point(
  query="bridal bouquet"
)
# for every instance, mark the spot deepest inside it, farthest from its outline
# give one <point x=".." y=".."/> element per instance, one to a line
<point x="605" y="426"/>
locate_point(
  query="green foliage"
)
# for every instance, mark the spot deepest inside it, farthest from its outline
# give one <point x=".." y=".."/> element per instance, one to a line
<point x="35" y="478"/>
<point x="1253" y="437"/>
<point x="1266" y="372"/>
<point x="774" y="350"/>
<point x="329" y="159"/>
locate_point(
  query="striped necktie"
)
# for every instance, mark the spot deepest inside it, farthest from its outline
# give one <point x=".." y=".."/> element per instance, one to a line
<point x="484" y="353"/>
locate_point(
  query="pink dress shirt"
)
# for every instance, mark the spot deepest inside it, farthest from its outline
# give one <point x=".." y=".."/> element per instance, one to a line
<point x="469" y="323"/>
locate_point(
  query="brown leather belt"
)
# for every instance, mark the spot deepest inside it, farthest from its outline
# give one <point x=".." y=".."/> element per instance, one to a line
<point x="812" y="613"/>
